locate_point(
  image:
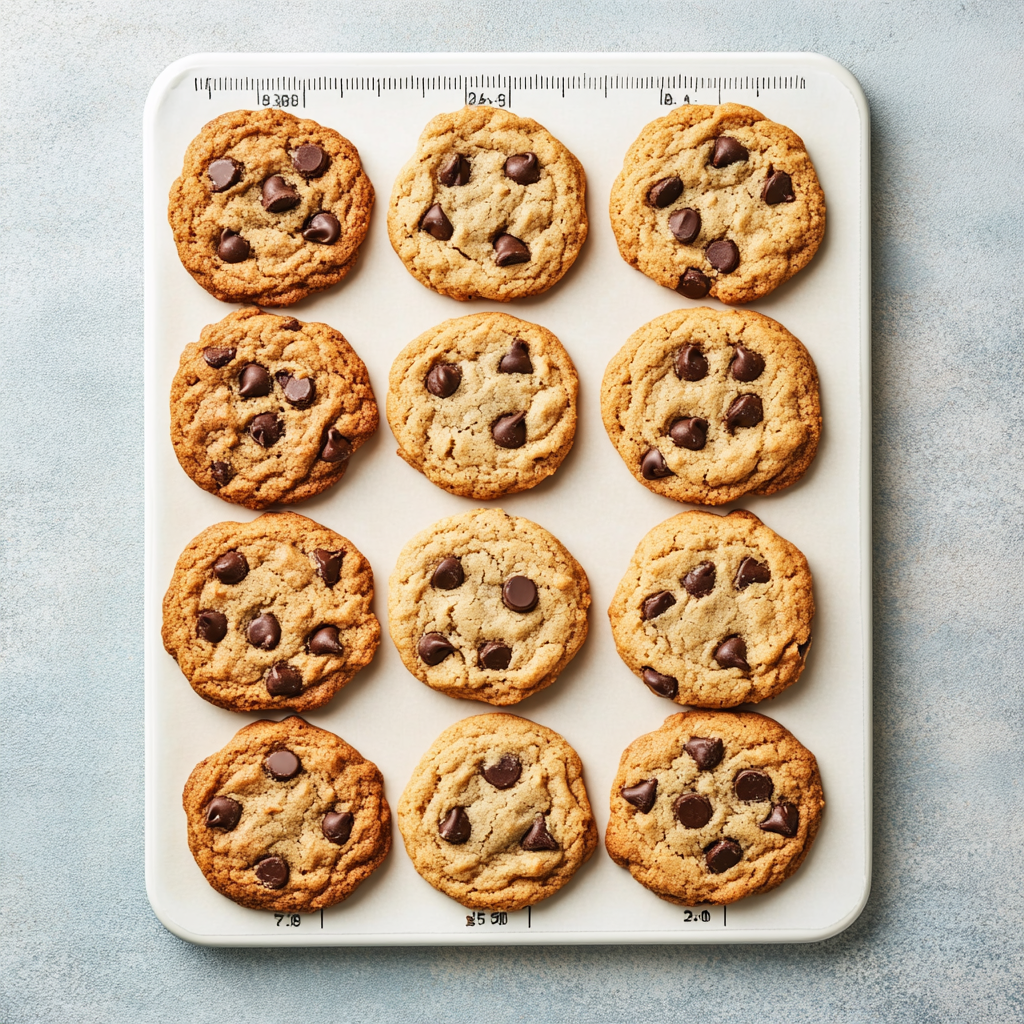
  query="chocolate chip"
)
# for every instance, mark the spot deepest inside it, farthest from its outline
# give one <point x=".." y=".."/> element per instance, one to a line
<point x="309" y="160"/>
<point x="691" y="364"/>
<point x="700" y="580"/>
<point x="211" y="626"/>
<point x="218" y="357"/>
<point x="745" y="411"/>
<point x="509" y="250"/>
<point x="223" y="174"/>
<point x="443" y="380"/>
<point x="266" y="429"/>
<point x="448" y="575"/>
<point x="705" y="751"/>
<point x="665" y="192"/>
<point x="325" y="641"/>
<point x="722" y="855"/>
<point x="693" y="284"/>
<point x="519" y="594"/>
<point x="435" y="223"/>
<point x="524" y="168"/>
<point x="328" y="565"/>
<point x="495" y="655"/>
<point x="732" y="653"/>
<point x="804" y="647"/>
<point x="222" y="473"/>
<point x="656" y="604"/>
<point x="752" y="571"/>
<point x="653" y="465"/>
<point x="264" y="632"/>
<point x="283" y="680"/>
<point x="337" y="827"/>
<point x="538" y="837"/>
<point x="689" y="433"/>
<point x="509" y="431"/>
<point x="505" y="774"/>
<point x="642" y="795"/>
<point x="685" y="225"/>
<point x="778" y="188"/>
<point x="723" y="255"/>
<point x="300" y="392"/>
<point x="232" y="248"/>
<point x="433" y="648"/>
<point x="322" y="227"/>
<point x="516" y="359"/>
<point x="336" y="448"/>
<point x="692" y="810"/>
<point x="752" y="784"/>
<point x="454" y="171"/>
<point x="291" y="324"/>
<point x="455" y="828"/>
<point x="784" y="819"/>
<point x="282" y="765"/>
<point x="663" y="686"/>
<point x="223" y="812"/>
<point x="231" y="567"/>
<point x="746" y="365"/>
<point x="727" y="151"/>
<point x="254" y="381"/>
<point x="272" y="873"/>
<point x="277" y="195"/>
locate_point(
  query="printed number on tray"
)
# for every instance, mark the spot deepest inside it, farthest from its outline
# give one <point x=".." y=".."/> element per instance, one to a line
<point x="690" y="915"/>
<point x="473" y="98"/>
<point x="289" y="920"/>
<point x="480" y="918"/>
<point x="280" y="99"/>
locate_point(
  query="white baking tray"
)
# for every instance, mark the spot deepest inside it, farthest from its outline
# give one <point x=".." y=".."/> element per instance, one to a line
<point x="596" y="104"/>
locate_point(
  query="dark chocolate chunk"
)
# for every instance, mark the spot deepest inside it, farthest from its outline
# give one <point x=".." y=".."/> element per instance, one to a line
<point x="722" y="855"/>
<point x="223" y="174"/>
<point x="727" y="151"/>
<point x="663" y="686"/>
<point x="732" y="653"/>
<point x="509" y="250"/>
<point x="753" y="784"/>
<point x="693" y="284"/>
<point x="642" y="795"/>
<point x="516" y="359"/>
<point x="454" y="171"/>
<point x="283" y="680"/>
<point x="290" y="324"/>
<point x="538" y="837"/>
<point x="509" y="431"/>
<point x="691" y="363"/>
<point x="211" y="626"/>
<point x="328" y="565"/>
<point x="523" y="168"/>
<point x="691" y="433"/>
<point x="299" y="391"/>
<point x="495" y="655"/>
<point x="232" y="247"/>
<point x="222" y="473"/>
<point x="784" y="819"/>
<point x="449" y="574"/>
<point x="746" y="365"/>
<point x="443" y="380"/>
<point x="272" y="873"/>
<point x="231" y="567"/>
<point x="778" y="188"/>
<point x="685" y="225"/>
<point x="218" y="357"/>
<point x="665" y="192"/>
<point x="436" y="224"/>
<point x="707" y="752"/>
<point x="455" y="828"/>
<point x="282" y="765"/>
<point x="654" y="605"/>
<point x="223" y="812"/>
<point x="322" y="227"/>
<point x="309" y="160"/>
<point x="266" y="429"/>
<point x="751" y="571"/>
<point x="337" y="827"/>
<point x="723" y="255"/>
<point x="505" y="774"/>
<point x="653" y="465"/>
<point x="700" y="580"/>
<point x="324" y="640"/>
<point x="254" y="381"/>
<point x="519" y="594"/>
<point x="277" y="195"/>
<point x="433" y="648"/>
<point x="692" y="810"/>
<point x="264" y="631"/>
<point x="336" y="448"/>
<point x="745" y="411"/>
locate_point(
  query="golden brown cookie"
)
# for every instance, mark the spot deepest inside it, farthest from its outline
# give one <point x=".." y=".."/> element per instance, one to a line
<point x="718" y="201"/>
<point x="269" y="207"/>
<point x="268" y="410"/>
<point x="714" y="611"/>
<point x="707" y="405"/>
<point x="496" y="814"/>
<point x="490" y="206"/>
<point x="286" y="817"/>
<point x="271" y="614"/>
<point x="484" y="405"/>
<point x="714" y="806"/>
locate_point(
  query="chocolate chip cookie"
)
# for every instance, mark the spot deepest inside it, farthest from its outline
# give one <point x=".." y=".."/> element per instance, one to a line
<point x="714" y="806"/>
<point x="269" y="207"/>
<point x="268" y="410"/>
<point x="707" y="405"/>
<point x="714" y="611"/>
<point x="718" y="201"/>
<point x="496" y="814"/>
<point x="270" y="614"/>
<point x="490" y="206"/>
<point x="484" y="405"/>
<point x="286" y="817"/>
<point x="487" y="606"/>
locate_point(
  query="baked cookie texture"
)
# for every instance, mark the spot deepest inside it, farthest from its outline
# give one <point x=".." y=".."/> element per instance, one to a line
<point x="714" y="806"/>
<point x="269" y="207"/>
<point x="714" y="611"/>
<point x="487" y="606"/>
<point x="286" y="817"/>
<point x="707" y="405"/>
<point x="271" y="614"/>
<point x="496" y="815"/>
<point x="490" y="206"/>
<point x="718" y="201"/>
<point x="483" y="405"/>
<point x="268" y="410"/>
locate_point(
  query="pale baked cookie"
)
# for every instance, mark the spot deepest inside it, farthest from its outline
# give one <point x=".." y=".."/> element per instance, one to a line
<point x="270" y="614"/>
<point x="268" y="410"/>
<point x="487" y="606"/>
<point x="496" y="814"/>
<point x="714" y="611"/>
<point x="718" y="201"/>
<point x="484" y="405"/>
<point x="490" y="206"/>
<point x="286" y="817"/>
<point x="714" y="806"/>
<point x="707" y="405"/>
<point x="269" y="207"/>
